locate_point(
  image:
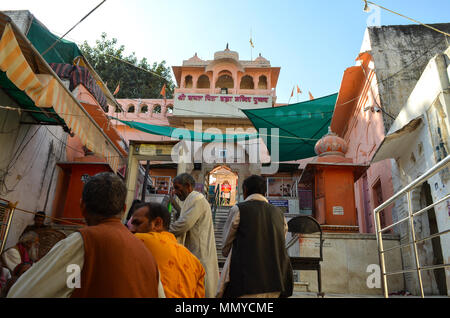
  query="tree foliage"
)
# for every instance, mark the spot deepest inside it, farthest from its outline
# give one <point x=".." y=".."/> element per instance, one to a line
<point x="134" y="82"/>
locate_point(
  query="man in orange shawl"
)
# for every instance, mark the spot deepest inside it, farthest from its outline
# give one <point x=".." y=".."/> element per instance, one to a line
<point x="182" y="274"/>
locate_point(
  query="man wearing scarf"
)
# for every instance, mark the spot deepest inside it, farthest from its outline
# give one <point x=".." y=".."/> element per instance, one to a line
<point x="26" y="251"/>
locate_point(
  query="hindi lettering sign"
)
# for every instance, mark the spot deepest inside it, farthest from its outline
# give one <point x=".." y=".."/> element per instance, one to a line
<point x="338" y="210"/>
<point x="282" y="204"/>
<point x="218" y="105"/>
<point x="155" y="150"/>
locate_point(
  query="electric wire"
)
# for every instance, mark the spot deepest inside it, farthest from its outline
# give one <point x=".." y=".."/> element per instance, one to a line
<point x="411" y="19"/>
<point x="60" y="38"/>
<point x="48" y="217"/>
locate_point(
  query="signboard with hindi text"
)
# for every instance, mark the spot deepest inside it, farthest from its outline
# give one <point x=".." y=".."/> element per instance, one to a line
<point x="218" y="105"/>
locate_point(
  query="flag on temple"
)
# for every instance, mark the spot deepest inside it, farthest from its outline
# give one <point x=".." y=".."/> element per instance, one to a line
<point x="117" y="89"/>
<point x="251" y="43"/>
<point x="310" y="96"/>
<point x="292" y="94"/>
<point x="163" y="91"/>
<point x="298" y="90"/>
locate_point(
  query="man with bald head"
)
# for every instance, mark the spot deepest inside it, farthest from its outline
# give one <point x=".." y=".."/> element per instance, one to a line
<point x="196" y="227"/>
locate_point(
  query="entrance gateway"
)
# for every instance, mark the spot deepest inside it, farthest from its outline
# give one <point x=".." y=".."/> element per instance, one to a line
<point x="148" y="151"/>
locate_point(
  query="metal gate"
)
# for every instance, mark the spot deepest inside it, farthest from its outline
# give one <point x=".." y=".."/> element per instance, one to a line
<point x="410" y="218"/>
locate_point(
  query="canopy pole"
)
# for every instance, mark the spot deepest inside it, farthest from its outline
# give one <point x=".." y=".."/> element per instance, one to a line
<point x="144" y="186"/>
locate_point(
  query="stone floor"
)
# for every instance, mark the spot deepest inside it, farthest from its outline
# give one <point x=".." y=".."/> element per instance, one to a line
<point x="298" y="294"/>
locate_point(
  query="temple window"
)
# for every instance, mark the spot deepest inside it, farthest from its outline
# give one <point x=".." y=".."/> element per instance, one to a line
<point x="262" y="84"/>
<point x="188" y="82"/>
<point x="157" y="109"/>
<point x="203" y="82"/>
<point x="225" y="80"/>
<point x="131" y="109"/>
<point x="144" y="109"/>
<point x="170" y="109"/>
<point x="117" y="110"/>
<point x="247" y="82"/>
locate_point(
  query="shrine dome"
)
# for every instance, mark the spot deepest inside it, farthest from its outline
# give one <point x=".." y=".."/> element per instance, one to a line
<point x="331" y="144"/>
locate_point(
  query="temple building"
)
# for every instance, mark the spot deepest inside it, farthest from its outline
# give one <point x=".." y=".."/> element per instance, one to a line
<point x="209" y="97"/>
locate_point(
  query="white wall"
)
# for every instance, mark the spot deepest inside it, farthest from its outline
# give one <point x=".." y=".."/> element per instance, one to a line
<point x="346" y="259"/>
<point x="30" y="176"/>
<point x="429" y="98"/>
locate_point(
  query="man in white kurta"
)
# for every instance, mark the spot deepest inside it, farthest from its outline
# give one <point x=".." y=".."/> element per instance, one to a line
<point x="195" y="222"/>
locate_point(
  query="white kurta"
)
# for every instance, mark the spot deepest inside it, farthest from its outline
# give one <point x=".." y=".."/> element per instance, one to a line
<point x="11" y="258"/>
<point x="196" y="224"/>
<point x="48" y="277"/>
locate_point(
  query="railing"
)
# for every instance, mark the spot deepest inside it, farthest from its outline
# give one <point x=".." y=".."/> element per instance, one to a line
<point x="381" y="251"/>
<point x="6" y="215"/>
<point x="216" y="202"/>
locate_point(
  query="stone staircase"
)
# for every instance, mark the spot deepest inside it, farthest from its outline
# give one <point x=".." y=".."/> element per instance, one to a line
<point x="219" y="223"/>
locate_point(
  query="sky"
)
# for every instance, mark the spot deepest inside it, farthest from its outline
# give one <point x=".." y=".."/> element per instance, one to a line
<point x="312" y="41"/>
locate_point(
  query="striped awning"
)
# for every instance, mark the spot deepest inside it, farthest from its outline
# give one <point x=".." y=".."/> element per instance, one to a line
<point x="47" y="91"/>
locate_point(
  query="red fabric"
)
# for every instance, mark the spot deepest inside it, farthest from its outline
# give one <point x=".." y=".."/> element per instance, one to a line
<point x="24" y="256"/>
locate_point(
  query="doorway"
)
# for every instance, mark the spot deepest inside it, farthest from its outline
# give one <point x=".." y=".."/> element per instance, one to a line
<point x="223" y="184"/>
<point x="426" y="199"/>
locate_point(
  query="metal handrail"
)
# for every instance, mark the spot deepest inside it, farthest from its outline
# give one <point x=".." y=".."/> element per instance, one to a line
<point x="216" y="202"/>
<point x="381" y="251"/>
<point x="435" y="169"/>
<point x="417" y="213"/>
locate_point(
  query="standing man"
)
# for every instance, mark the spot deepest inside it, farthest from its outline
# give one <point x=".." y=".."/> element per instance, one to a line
<point x="182" y="274"/>
<point x="195" y="222"/>
<point x="102" y="260"/>
<point x="257" y="264"/>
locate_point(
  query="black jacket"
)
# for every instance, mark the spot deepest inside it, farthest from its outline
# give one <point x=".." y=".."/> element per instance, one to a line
<point x="259" y="261"/>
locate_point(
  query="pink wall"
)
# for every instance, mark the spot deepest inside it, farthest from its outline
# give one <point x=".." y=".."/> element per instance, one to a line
<point x="364" y="134"/>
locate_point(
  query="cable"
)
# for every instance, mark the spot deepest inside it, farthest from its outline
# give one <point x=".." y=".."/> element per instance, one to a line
<point x="60" y="38"/>
<point x="138" y="67"/>
<point x="411" y="19"/>
<point x="48" y="217"/>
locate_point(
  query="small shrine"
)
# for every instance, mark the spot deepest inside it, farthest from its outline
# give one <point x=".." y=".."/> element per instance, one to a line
<point x="331" y="177"/>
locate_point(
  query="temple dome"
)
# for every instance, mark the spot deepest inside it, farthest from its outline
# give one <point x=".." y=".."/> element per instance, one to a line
<point x="261" y="60"/>
<point x="331" y="144"/>
<point x="226" y="54"/>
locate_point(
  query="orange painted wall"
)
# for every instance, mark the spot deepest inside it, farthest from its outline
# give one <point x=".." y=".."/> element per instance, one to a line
<point x="334" y="187"/>
<point x="339" y="191"/>
<point x="72" y="206"/>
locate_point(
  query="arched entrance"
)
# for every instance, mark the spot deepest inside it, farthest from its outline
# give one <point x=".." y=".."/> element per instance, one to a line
<point x="223" y="186"/>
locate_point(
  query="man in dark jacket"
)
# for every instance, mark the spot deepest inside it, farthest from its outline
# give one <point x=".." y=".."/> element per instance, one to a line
<point x="254" y="242"/>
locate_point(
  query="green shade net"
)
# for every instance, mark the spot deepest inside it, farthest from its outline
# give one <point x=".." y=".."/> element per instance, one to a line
<point x="63" y="52"/>
<point x="185" y="134"/>
<point x="300" y="126"/>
